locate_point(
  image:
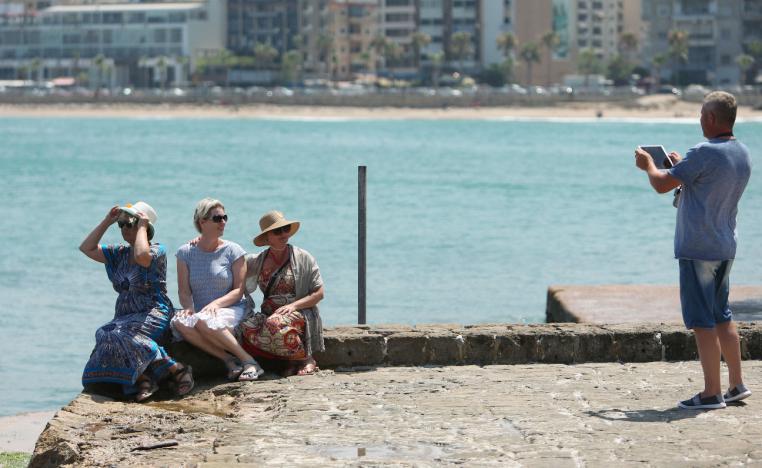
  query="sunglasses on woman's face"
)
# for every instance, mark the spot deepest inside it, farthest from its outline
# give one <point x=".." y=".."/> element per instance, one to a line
<point x="282" y="230"/>
<point x="126" y="223"/>
<point x="219" y="218"/>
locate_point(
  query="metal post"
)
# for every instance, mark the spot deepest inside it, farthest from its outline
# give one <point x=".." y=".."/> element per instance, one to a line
<point x="361" y="234"/>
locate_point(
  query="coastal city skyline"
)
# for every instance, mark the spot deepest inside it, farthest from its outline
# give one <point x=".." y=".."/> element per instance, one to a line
<point x="261" y="42"/>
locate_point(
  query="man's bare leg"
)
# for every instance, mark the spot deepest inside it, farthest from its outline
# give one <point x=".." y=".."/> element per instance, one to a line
<point x="708" y="346"/>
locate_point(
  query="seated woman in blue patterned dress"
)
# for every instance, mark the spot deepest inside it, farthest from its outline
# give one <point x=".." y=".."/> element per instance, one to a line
<point x="127" y="349"/>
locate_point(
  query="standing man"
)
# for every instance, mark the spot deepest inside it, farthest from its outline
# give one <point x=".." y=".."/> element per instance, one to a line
<point x="713" y="176"/>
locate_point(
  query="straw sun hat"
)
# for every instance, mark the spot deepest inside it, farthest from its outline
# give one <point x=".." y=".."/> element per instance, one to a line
<point x="144" y="208"/>
<point x="270" y="221"/>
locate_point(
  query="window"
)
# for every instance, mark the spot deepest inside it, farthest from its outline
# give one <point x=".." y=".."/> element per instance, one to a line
<point x="175" y="35"/>
<point x="160" y="36"/>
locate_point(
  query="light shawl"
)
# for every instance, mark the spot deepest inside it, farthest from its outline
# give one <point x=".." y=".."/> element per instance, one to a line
<point x="307" y="280"/>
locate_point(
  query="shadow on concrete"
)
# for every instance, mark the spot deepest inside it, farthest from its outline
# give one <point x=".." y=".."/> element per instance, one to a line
<point x="646" y="415"/>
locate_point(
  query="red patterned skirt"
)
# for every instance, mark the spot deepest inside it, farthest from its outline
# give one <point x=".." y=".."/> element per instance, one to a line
<point x="278" y="336"/>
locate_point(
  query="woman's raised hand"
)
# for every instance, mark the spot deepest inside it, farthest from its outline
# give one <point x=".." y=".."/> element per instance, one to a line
<point x="113" y="214"/>
<point x="142" y="219"/>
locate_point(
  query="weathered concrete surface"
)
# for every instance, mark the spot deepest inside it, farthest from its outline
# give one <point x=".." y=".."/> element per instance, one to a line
<point x="595" y="415"/>
<point x="636" y="303"/>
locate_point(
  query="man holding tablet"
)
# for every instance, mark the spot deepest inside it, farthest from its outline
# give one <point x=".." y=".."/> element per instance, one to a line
<point x="713" y="176"/>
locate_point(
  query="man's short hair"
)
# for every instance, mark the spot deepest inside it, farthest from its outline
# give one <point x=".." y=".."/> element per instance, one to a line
<point x="723" y="105"/>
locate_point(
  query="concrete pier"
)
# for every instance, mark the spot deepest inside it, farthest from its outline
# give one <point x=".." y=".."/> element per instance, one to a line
<point x="637" y="303"/>
<point x="513" y="395"/>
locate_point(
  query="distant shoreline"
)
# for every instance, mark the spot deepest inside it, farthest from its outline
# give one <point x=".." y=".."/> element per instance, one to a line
<point x="659" y="107"/>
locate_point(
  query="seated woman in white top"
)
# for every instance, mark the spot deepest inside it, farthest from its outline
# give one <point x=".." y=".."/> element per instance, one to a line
<point x="210" y="274"/>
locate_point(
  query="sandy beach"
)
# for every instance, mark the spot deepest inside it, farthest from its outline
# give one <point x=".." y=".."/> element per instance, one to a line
<point x="20" y="432"/>
<point x="646" y="108"/>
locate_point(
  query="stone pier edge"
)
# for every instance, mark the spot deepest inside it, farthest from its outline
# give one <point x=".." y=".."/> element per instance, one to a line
<point x="353" y="347"/>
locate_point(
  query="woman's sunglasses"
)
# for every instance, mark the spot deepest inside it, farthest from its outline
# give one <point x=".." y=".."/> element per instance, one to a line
<point x="219" y="218"/>
<point x="282" y="230"/>
<point x="128" y="223"/>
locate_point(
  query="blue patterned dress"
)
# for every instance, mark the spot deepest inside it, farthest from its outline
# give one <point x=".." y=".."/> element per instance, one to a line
<point x="128" y="345"/>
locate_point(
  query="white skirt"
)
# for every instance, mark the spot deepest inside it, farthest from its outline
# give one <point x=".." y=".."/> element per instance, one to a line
<point x="226" y="317"/>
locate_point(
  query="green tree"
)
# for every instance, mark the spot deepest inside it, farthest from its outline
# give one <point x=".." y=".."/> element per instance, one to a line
<point x="419" y="40"/>
<point x="325" y="51"/>
<point x="506" y="42"/>
<point x="291" y="65"/>
<point x="35" y="66"/>
<point x="162" y="64"/>
<point x="678" y="51"/>
<point x="550" y="41"/>
<point x="378" y="46"/>
<point x="437" y="58"/>
<point x="461" y="47"/>
<point x="264" y="55"/>
<point x="658" y="62"/>
<point x="628" y="44"/>
<point x="99" y="62"/>
<point x="588" y="64"/>
<point x="530" y="54"/>
<point x="619" y="70"/>
<point x="392" y="53"/>
<point x="744" y="62"/>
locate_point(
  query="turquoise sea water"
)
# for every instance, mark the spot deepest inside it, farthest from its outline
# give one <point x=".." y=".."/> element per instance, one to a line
<point x="468" y="221"/>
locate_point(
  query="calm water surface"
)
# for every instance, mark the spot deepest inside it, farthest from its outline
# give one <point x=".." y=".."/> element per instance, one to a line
<point x="469" y="221"/>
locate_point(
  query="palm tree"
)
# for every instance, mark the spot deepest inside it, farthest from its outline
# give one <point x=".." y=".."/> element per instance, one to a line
<point x="461" y="47"/>
<point x="162" y="65"/>
<point x="98" y="62"/>
<point x="378" y="45"/>
<point x="678" y="50"/>
<point x="658" y="61"/>
<point x="264" y="54"/>
<point x="628" y="43"/>
<point x="144" y="64"/>
<point x="588" y="64"/>
<point x="392" y="53"/>
<point x="325" y="49"/>
<point x="530" y="54"/>
<point x="436" y="61"/>
<point x="744" y="62"/>
<point x="506" y="42"/>
<point x="35" y="66"/>
<point x="291" y="65"/>
<point x="550" y="41"/>
<point x="419" y="41"/>
<point x="755" y="50"/>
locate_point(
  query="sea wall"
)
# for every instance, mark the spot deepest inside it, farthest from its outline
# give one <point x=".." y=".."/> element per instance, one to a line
<point x="557" y="343"/>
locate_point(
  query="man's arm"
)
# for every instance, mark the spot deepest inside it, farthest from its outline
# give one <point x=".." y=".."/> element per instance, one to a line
<point x="660" y="180"/>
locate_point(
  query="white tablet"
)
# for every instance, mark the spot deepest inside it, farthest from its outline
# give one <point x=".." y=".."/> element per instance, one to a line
<point x="659" y="155"/>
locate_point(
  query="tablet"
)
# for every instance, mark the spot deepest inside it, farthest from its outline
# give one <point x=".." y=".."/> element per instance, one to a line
<point x="659" y="155"/>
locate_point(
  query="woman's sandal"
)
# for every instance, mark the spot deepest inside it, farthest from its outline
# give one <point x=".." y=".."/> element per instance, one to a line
<point x="234" y="368"/>
<point x="146" y="388"/>
<point x="251" y="371"/>
<point x="182" y="380"/>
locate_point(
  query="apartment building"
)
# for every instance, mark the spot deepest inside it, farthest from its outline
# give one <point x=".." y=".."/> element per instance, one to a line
<point x="138" y="43"/>
<point x="398" y="20"/>
<point x="271" y="22"/>
<point x="716" y="32"/>
<point x="338" y="35"/>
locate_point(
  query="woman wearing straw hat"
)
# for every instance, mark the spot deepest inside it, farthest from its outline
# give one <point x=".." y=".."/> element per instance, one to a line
<point x="288" y="328"/>
<point x="128" y="349"/>
<point x="210" y="273"/>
